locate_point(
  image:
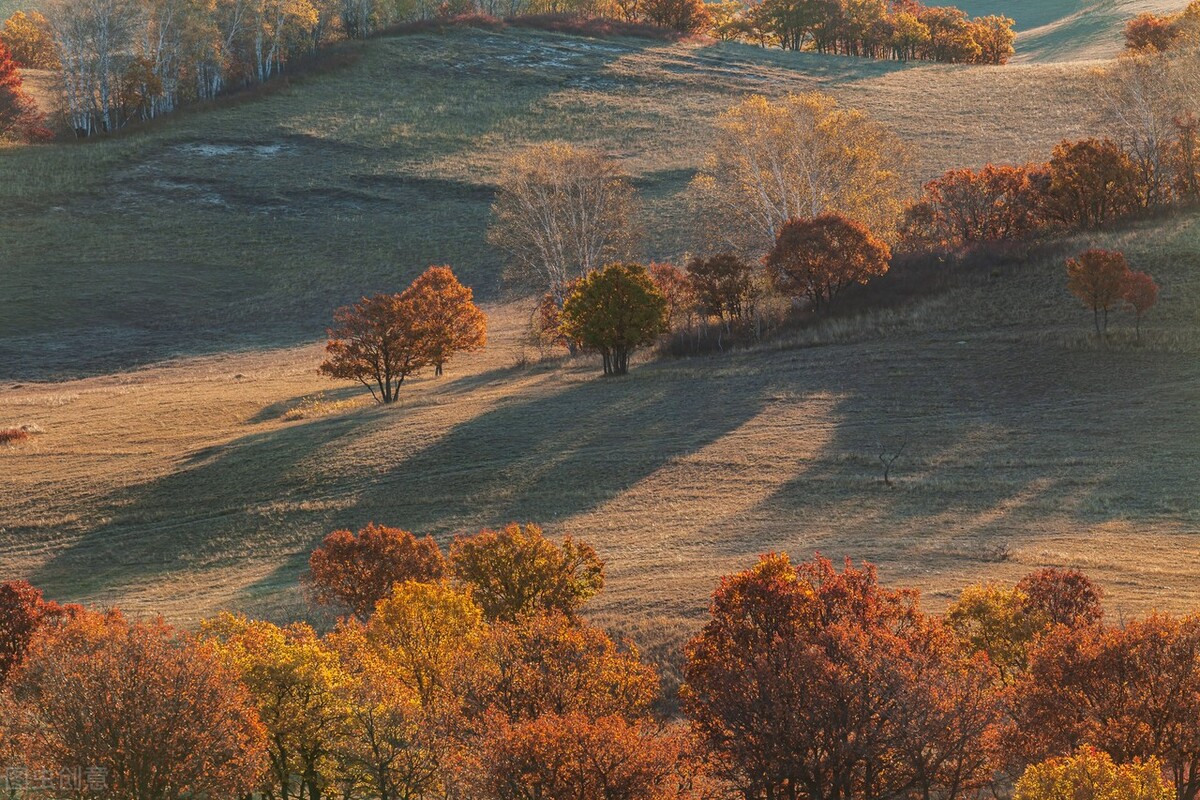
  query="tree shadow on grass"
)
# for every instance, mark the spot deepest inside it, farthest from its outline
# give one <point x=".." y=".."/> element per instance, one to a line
<point x="271" y="496"/>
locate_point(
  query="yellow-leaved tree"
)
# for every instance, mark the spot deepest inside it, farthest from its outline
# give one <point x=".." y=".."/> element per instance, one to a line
<point x="1090" y="774"/>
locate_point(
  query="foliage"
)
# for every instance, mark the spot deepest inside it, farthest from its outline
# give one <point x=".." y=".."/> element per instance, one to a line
<point x="1098" y="278"/>
<point x="677" y="289"/>
<point x="376" y="342"/>
<point x="560" y="213"/>
<point x="1140" y="294"/>
<point x="685" y="16"/>
<point x="297" y="684"/>
<point x="359" y="570"/>
<point x="965" y="207"/>
<point x="774" y="160"/>
<point x="159" y="712"/>
<point x="817" y="258"/>
<point x="421" y="632"/>
<point x="573" y="757"/>
<point x="445" y="316"/>
<point x="805" y="679"/>
<point x="723" y="286"/>
<point x="24" y="612"/>
<point x="1131" y="692"/>
<point x="549" y="664"/>
<point x="614" y="311"/>
<point x="19" y="117"/>
<point x="992" y="619"/>
<point x="14" y="436"/>
<point x="1151" y="32"/>
<point x="517" y="571"/>
<point x="27" y="37"/>
<point x="1091" y="183"/>
<point x="1091" y="775"/>
<point x="1062" y="597"/>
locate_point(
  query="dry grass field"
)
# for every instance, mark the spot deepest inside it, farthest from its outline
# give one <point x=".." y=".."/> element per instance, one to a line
<point x="223" y="240"/>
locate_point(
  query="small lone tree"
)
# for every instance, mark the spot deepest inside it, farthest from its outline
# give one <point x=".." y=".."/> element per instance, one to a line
<point x="359" y="570"/>
<point x="445" y="316"/>
<point x="818" y="258"/>
<point x="1140" y="294"/>
<point x="615" y="310"/>
<point x="377" y="343"/>
<point x="1098" y="278"/>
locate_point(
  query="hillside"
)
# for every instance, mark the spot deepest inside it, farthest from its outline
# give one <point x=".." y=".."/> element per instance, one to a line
<point x="1069" y="30"/>
<point x="230" y="228"/>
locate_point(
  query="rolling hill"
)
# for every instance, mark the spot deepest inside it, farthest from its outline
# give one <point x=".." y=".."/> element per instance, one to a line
<point x="225" y="237"/>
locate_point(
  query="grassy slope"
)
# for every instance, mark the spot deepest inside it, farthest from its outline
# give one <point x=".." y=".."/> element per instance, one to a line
<point x="246" y="226"/>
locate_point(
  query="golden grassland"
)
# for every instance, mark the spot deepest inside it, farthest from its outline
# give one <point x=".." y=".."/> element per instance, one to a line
<point x="244" y="226"/>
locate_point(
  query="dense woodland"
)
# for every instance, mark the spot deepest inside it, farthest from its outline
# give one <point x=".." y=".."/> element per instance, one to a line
<point x="474" y="674"/>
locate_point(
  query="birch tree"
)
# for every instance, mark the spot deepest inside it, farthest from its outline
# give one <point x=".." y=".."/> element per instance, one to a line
<point x="801" y="156"/>
<point x="560" y="213"/>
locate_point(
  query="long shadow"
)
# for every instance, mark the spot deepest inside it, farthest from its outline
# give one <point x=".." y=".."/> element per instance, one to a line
<point x="271" y="496"/>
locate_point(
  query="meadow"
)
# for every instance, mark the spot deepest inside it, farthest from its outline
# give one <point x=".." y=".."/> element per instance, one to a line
<point x="222" y="239"/>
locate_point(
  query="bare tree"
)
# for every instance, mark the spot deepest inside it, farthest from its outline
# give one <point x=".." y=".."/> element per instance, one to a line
<point x="562" y="212"/>
<point x="1138" y="104"/>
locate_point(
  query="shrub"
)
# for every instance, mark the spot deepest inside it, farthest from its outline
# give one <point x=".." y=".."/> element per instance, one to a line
<point x="965" y="207"/>
<point x="1091" y="182"/>
<point x="12" y="436"/>
<point x="818" y="258"/>
<point x="614" y="311"/>
<point x="723" y="286"/>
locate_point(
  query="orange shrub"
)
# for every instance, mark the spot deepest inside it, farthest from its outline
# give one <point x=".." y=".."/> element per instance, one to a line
<point x="13" y="435"/>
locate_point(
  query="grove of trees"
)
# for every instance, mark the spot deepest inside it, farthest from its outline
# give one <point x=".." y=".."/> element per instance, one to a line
<point x="474" y="674"/>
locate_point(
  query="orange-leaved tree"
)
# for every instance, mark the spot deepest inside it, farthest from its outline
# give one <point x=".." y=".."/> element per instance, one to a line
<point x="24" y="612"/>
<point x="817" y="258"/>
<point x="19" y="115"/>
<point x="517" y="571"/>
<point x="1058" y="596"/>
<point x="614" y="311"/>
<point x="28" y="38"/>
<point x="1092" y="182"/>
<point x="723" y="285"/>
<point x="1149" y="32"/>
<point x="965" y="207"/>
<point x="359" y="570"/>
<point x="1140" y="295"/>
<point x="445" y="316"/>
<point x="549" y="664"/>
<point x="675" y="286"/>
<point x="1098" y="278"/>
<point x="376" y="342"/>
<point x="158" y="712"/>
<point x="856" y="677"/>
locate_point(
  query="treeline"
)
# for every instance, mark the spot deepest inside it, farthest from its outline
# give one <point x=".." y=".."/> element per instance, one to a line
<point x="472" y="674"/>
<point x="905" y="30"/>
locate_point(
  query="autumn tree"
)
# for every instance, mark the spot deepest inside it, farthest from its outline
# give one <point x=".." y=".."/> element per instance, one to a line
<point x="359" y="570"/>
<point x="993" y="619"/>
<point x="811" y="682"/>
<point x="772" y="161"/>
<point x="965" y="207"/>
<point x="723" y="286"/>
<point x="1098" y="278"/>
<point x="676" y="288"/>
<point x="1150" y="32"/>
<point x="561" y="212"/>
<point x="574" y="757"/>
<point x="445" y="316"/>
<point x="817" y="258"/>
<point x="684" y="16"/>
<point x="27" y="36"/>
<point x="377" y="342"/>
<point x="389" y="748"/>
<point x="1090" y="774"/>
<point x="614" y="311"/>
<point x="24" y="612"/>
<point x="19" y="117"/>
<point x="296" y="683"/>
<point x="1130" y="692"/>
<point x="1091" y="183"/>
<point x="995" y="36"/>
<point x="421" y="632"/>
<point x="517" y="571"/>
<point x="548" y="663"/>
<point x="1057" y="596"/>
<point x="158" y="711"/>
<point x="1140" y="101"/>
<point x="1140" y="294"/>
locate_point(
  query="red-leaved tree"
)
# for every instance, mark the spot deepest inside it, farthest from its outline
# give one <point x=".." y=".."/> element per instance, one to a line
<point x="360" y="569"/>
